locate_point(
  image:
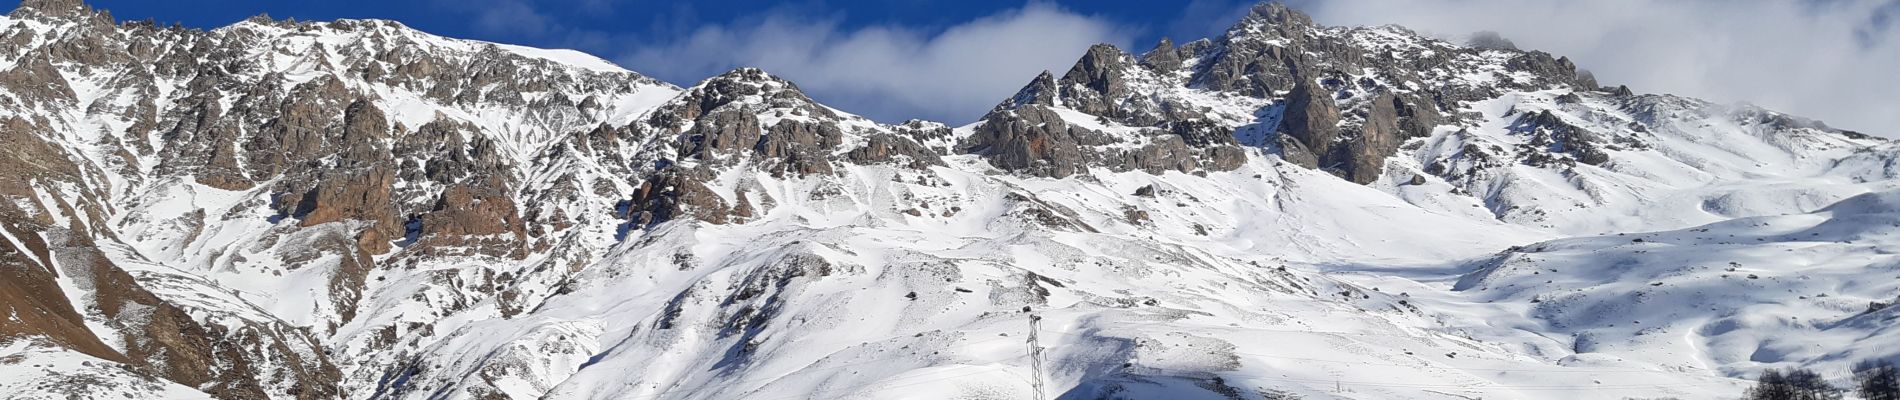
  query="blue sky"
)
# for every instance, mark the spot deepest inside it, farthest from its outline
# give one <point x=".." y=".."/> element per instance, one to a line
<point x="949" y="60"/>
<point x="587" y="24"/>
<point x="650" y="37"/>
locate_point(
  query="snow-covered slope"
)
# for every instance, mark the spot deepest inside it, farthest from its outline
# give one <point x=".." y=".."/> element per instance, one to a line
<point x="253" y="178"/>
<point x="885" y="278"/>
<point x="355" y="209"/>
<point x="1672" y="162"/>
<point x="1732" y="297"/>
<point x="1499" y="133"/>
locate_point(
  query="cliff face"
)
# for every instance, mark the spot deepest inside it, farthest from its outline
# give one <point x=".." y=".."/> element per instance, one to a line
<point x="208" y="207"/>
<point x="1346" y="98"/>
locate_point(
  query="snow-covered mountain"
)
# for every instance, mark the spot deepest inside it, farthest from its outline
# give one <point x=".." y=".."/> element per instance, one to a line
<point x="355" y="209"/>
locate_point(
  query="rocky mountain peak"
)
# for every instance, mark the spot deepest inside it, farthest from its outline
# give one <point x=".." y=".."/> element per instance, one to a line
<point x="747" y="75"/>
<point x="751" y="84"/>
<point x="1041" y="91"/>
<point x="1100" y="83"/>
<point x="1347" y="97"/>
<point x="1271" y="18"/>
<point x="748" y="92"/>
<point x="1166" y="43"/>
<point x="1164" y="56"/>
<point x="53" y="8"/>
<point x="1275" y="12"/>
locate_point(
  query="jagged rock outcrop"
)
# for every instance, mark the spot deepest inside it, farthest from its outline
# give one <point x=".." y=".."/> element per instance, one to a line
<point x="1035" y="140"/>
<point x="1267" y="52"/>
<point x="1554" y="137"/>
<point x="1377" y="139"/>
<point x="1099" y="85"/>
<point x="46" y="257"/>
<point x="675" y="193"/>
<point x="64" y="9"/>
<point x="32" y="295"/>
<point x="172" y="343"/>
<point x="1347" y="98"/>
<point x="308" y="137"/>
<point x="1040" y="91"/>
<point x="1027" y="133"/>
<point x="1314" y="139"/>
<point x="1311" y="122"/>
<point x="1559" y="69"/>
<point x="747" y="118"/>
<point x="899" y="150"/>
<point x="475" y="218"/>
<point x="1165" y="57"/>
<point x="1417" y="118"/>
<point x="722" y="122"/>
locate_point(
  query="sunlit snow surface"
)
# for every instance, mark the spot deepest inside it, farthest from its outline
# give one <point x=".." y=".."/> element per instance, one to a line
<point x="1670" y="271"/>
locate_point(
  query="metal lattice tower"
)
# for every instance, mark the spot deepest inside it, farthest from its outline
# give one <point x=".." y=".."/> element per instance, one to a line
<point x="1035" y="355"/>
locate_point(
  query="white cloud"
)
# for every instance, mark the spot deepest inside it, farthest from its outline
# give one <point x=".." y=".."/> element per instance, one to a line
<point x="1832" y="60"/>
<point x="890" y="72"/>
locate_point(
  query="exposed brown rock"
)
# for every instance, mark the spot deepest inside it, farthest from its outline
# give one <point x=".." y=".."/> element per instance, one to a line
<point x="1251" y="65"/>
<point x="480" y="219"/>
<point x="30" y="293"/>
<point x="884" y="148"/>
<point x="1543" y="65"/>
<point x="1312" y="121"/>
<point x="800" y="148"/>
<point x="324" y="149"/>
<point x="1551" y="137"/>
<point x="1097" y="85"/>
<point x="1378" y="139"/>
<point x="168" y="339"/>
<point x="35" y="79"/>
<point x="1040" y="91"/>
<point x="1135" y="216"/>
<point x="362" y="195"/>
<point x="1164" y="57"/>
<point x="673" y="194"/>
<point x="1035" y="140"/>
<point x="1417" y="117"/>
<point x="53" y="6"/>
